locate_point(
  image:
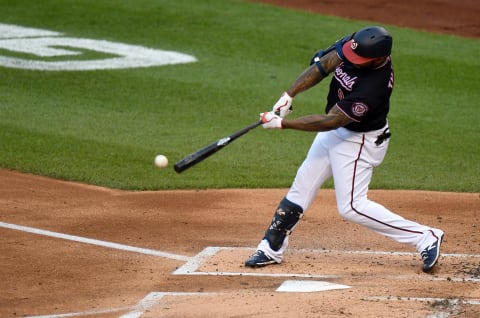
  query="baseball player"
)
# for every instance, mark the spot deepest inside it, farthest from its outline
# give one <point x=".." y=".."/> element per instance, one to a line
<point x="352" y="139"/>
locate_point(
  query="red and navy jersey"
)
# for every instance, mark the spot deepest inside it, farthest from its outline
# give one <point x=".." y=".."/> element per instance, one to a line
<point x="362" y="94"/>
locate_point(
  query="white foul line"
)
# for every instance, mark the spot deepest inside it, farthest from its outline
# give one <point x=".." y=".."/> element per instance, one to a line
<point x="95" y="242"/>
<point x="193" y="263"/>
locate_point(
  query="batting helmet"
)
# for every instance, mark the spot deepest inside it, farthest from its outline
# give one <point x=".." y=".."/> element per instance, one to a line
<point x="367" y="44"/>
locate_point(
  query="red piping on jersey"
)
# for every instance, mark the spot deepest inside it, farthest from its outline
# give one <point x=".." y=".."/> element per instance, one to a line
<point x="336" y="105"/>
<point x="364" y="215"/>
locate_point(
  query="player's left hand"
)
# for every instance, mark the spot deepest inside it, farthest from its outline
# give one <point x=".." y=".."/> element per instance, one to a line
<point x="271" y="120"/>
<point x="283" y="106"/>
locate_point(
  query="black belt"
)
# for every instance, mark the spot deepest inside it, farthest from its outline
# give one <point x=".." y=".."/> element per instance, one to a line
<point x="382" y="137"/>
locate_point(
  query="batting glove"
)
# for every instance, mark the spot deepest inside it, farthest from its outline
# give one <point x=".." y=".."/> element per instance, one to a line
<point x="283" y="106"/>
<point x="271" y="120"/>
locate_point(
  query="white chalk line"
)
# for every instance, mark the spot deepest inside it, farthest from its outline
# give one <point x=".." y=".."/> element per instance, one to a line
<point x="95" y="242"/>
<point x="193" y="264"/>
<point x="84" y="313"/>
<point x="191" y="267"/>
<point x="135" y="311"/>
<point x="381" y="253"/>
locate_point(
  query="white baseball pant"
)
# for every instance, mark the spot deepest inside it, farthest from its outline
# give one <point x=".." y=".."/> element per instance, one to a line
<point x="349" y="157"/>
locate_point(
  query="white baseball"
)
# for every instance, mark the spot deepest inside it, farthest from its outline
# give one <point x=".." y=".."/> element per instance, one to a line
<point x="161" y="161"/>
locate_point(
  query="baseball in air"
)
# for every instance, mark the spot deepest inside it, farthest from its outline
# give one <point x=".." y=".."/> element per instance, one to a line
<point x="161" y="161"/>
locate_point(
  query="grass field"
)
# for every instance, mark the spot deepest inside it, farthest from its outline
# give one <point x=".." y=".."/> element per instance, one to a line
<point x="104" y="127"/>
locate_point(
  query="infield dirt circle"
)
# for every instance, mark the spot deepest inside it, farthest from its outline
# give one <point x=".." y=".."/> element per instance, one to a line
<point x="74" y="250"/>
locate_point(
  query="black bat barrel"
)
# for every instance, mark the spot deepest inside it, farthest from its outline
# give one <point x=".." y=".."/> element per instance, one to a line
<point x="209" y="150"/>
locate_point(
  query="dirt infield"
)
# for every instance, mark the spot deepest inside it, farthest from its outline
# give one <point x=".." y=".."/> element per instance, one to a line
<point x="457" y="17"/>
<point x="74" y="250"/>
<point x="154" y="253"/>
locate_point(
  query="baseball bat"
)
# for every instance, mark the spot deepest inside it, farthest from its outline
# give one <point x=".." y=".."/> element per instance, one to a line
<point x="209" y="150"/>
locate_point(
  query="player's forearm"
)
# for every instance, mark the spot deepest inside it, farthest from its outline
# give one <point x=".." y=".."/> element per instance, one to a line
<point x="312" y="75"/>
<point x="309" y="78"/>
<point x="333" y="120"/>
<point x="311" y="123"/>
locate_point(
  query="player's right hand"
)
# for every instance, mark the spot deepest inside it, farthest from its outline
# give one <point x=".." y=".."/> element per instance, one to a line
<point x="271" y="120"/>
<point x="283" y="106"/>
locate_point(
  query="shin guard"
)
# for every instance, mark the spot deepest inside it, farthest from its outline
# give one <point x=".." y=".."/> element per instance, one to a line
<point x="285" y="218"/>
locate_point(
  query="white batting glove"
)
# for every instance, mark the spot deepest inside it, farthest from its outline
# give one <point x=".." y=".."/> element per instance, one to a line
<point x="271" y="120"/>
<point x="283" y="106"/>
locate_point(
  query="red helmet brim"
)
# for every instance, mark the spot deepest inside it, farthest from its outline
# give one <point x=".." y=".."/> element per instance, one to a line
<point x="353" y="57"/>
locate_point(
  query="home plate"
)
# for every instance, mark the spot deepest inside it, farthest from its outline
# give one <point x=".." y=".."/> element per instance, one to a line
<point x="307" y="286"/>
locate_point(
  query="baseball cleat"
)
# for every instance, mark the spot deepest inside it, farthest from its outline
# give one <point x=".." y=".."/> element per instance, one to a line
<point x="259" y="259"/>
<point x="430" y="255"/>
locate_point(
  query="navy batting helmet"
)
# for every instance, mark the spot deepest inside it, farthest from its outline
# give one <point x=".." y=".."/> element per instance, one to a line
<point x="367" y="44"/>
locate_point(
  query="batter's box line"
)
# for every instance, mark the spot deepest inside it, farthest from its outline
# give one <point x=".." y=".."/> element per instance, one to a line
<point x="381" y="253"/>
<point x="193" y="263"/>
<point x="191" y="267"/>
<point x="135" y="311"/>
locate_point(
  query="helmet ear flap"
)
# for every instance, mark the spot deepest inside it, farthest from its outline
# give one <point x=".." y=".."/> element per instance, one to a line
<point x="337" y="46"/>
<point x="340" y="43"/>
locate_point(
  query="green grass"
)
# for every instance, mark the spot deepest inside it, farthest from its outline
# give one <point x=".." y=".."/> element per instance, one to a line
<point x="105" y="127"/>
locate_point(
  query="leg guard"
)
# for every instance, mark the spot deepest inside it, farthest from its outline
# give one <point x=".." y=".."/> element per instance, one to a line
<point x="284" y="220"/>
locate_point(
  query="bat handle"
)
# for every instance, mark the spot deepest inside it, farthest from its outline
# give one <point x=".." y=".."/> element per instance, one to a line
<point x="245" y="130"/>
<point x="258" y="123"/>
